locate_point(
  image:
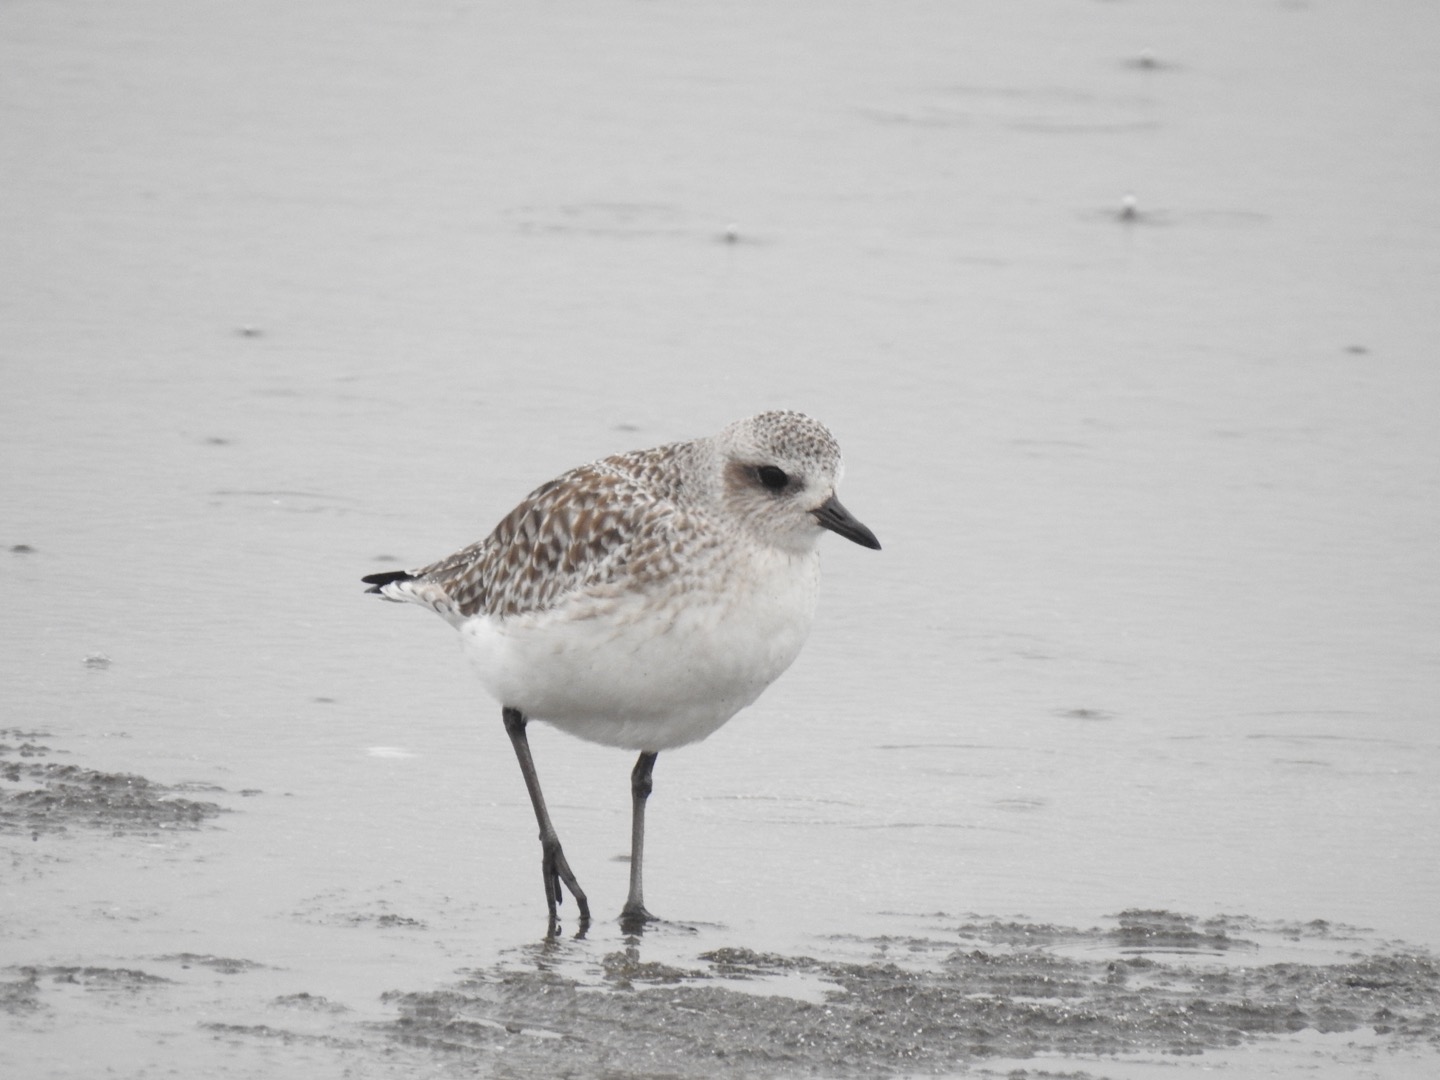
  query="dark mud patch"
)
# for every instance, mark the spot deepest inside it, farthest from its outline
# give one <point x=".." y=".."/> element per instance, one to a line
<point x="1156" y="982"/>
<point x="337" y="908"/>
<point x="42" y="796"/>
<point x="26" y="988"/>
<point x="20" y="996"/>
<point x="224" y="965"/>
<point x="310" y="1003"/>
<point x="95" y="978"/>
<point x="238" y="1034"/>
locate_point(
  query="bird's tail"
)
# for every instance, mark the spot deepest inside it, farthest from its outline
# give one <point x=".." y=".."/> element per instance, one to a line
<point x="406" y="587"/>
<point x="377" y="582"/>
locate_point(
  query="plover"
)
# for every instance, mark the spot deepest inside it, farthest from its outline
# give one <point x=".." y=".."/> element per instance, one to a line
<point x="643" y="600"/>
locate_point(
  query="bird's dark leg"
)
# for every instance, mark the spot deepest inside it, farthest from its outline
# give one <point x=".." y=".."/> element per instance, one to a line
<point x="553" y="865"/>
<point x="634" y="917"/>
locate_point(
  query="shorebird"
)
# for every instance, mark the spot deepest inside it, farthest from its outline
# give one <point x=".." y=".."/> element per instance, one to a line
<point x="643" y="600"/>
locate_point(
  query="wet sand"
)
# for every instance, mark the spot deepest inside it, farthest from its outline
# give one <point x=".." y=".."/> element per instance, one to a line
<point x="940" y="995"/>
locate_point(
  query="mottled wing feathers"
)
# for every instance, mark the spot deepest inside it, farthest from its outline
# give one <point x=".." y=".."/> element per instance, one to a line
<point x="586" y="529"/>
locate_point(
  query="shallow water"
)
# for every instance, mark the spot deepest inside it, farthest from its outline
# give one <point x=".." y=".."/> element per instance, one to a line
<point x="294" y="293"/>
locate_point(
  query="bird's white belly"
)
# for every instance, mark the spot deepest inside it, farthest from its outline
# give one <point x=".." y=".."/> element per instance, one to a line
<point x="651" y="670"/>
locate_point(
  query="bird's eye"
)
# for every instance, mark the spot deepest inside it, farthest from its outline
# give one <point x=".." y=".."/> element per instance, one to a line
<point x="772" y="478"/>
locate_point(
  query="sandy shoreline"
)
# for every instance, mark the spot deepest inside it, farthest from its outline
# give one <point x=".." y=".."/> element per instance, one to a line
<point x="951" y="996"/>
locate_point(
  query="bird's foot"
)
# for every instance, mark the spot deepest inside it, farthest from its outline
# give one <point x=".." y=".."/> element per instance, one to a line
<point x="559" y="877"/>
<point x="634" y="917"/>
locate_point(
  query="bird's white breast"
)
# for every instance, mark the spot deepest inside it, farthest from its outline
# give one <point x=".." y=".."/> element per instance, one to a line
<point x="655" y="668"/>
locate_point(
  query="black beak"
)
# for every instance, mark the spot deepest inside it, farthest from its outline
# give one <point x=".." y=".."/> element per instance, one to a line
<point x="831" y="515"/>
